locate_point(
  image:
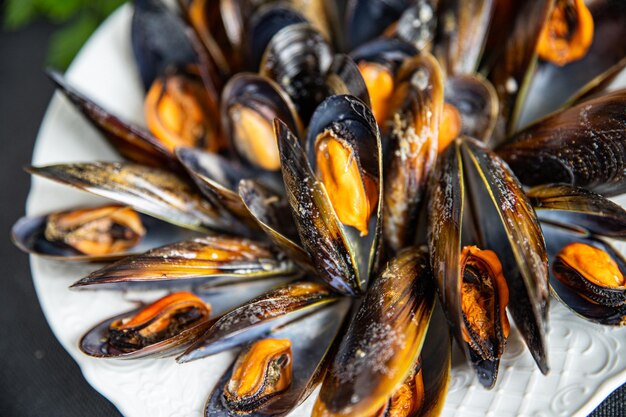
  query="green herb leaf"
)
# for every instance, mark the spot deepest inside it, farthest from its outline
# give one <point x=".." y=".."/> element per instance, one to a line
<point x="17" y="13"/>
<point x="66" y="42"/>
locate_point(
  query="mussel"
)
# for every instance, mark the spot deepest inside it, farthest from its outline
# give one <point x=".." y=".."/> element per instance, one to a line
<point x="159" y="321"/>
<point x="587" y="272"/>
<point x="96" y="231"/>
<point x="262" y="372"/>
<point x="335" y="190"/>
<point x="250" y="103"/>
<point x="384" y="341"/>
<point x="582" y="146"/>
<point x="210" y="258"/>
<point x="484" y="298"/>
<point x="580" y="59"/>
<point x="378" y="62"/>
<point x="269" y="389"/>
<point x="592" y="273"/>
<point x="472" y="288"/>
<point x="412" y="139"/>
<point x="178" y="112"/>
<point x="153" y="191"/>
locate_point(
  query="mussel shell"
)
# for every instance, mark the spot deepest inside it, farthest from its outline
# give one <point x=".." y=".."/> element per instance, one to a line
<point x="383" y="341"/>
<point x="577" y="207"/>
<point x="218" y="179"/>
<point x="344" y="77"/>
<point x="564" y="81"/>
<point x="582" y="146"/>
<point x="152" y="191"/>
<point x="416" y="109"/>
<point x="556" y="238"/>
<point x="341" y="256"/>
<point x="132" y="142"/>
<point x="386" y="51"/>
<point x="477" y="102"/>
<point x="155" y="53"/>
<point x="298" y="58"/>
<point x="94" y="342"/>
<point x="461" y="34"/>
<point x="260" y="94"/>
<point x="28" y="235"/>
<point x="366" y="19"/>
<point x="511" y="56"/>
<point x="273" y="214"/>
<point x="311" y="339"/>
<point x="264" y="24"/>
<point x="516" y="238"/>
<point x="259" y="316"/>
<point x="221" y="299"/>
<point x="517" y="241"/>
<point x="193" y="260"/>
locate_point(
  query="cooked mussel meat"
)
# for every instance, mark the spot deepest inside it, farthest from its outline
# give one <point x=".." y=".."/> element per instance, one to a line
<point x="177" y="112"/>
<point x="484" y="297"/>
<point x="158" y="321"/>
<point x="378" y="62"/>
<point x="96" y="231"/>
<point x="408" y="398"/>
<point x="592" y="273"/>
<point x="261" y="373"/>
<point x="353" y="193"/>
<point x="568" y="33"/>
<point x="250" y="103"/>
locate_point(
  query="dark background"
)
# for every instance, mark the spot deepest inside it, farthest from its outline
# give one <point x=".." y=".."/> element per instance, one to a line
<point x="37" y="377"/>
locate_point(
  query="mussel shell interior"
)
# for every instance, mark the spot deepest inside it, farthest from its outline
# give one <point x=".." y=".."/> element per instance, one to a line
<point x="28" y="235"/>
<point x="556" y="238"/>
<point x="311" y="339"/>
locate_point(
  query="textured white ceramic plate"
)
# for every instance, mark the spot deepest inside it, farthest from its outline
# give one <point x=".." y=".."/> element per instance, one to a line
<point x="587" y="361"/>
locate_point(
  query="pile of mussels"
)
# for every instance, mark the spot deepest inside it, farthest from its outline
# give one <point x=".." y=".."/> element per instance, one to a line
<point x="363" y="181"/>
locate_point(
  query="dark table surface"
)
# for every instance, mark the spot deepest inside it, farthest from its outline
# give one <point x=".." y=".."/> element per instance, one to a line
<point x="37" y="377"/>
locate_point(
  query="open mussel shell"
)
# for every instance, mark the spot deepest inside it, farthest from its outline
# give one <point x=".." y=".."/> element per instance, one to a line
<point x="218" y="179"/>
<point x="424" y="391"/>
<point x="311" y="338"/>
<point x="461" y="34"/>
<point x="155" y="53"/>
<point x="601" y="62"/>
<point x="152" y="191"/>
<point x="411" y="138"/>
<point x="250" y="103"/>
<point x="220" y="300"/>
<point x="273" y="214"/>
<point x="28" y="235"/>
<point x="259" y="316"/>
<point x="215" y="259"/>
<point x="378" y="62"/>
<point x="365" y="20"/>
<point x="297" y="58"/>
<point x="576" y="207"/>
<point x="557" y="237"/>
<point x="344" y="77"/>
<point x="343" y="255"/>
<point x="383" y="341"/>
<point x="134" y="143"/>
<point x="477" y="103"/>
<point x="582" y="146"/>
<point x="515" y="237"/>
<point x="511" y="54"/>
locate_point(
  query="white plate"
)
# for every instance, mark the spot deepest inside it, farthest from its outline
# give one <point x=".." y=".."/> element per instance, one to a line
<point x="587" y="361"/>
